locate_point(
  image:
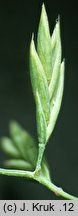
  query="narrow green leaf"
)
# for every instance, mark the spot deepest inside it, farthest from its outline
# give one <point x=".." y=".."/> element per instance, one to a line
<point x="38" y="80"/>
<point x="18" y="164"/>
<point x="56" y="58"/>
<point x="44" y="44"/>
<point x="56" y="101"/>
<point x="9" y="148"/>
<point x="41" y="122"/>
<point x="24" y="142"/>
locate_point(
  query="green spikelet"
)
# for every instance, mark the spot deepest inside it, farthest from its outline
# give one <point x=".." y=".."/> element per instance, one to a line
<point x="47" y="78"/>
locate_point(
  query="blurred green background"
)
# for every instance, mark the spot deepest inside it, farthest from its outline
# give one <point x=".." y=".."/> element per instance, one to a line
<point x="18" y="19"/>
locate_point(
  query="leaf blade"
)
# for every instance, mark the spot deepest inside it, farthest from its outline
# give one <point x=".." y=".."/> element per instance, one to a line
<point x="18" y="164"/>
<point x="9" y="148"/>
<point x="24" y="142"/>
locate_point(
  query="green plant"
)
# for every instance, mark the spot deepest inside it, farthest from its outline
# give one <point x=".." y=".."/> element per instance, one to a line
<point x="47" y="79"/>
